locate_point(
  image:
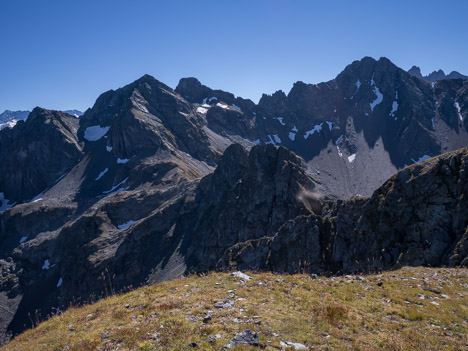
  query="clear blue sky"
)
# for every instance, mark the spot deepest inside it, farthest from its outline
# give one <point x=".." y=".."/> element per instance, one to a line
<point x="62" y="54"/>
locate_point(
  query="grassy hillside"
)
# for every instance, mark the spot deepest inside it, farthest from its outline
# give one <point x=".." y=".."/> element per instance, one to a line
<point x="407" y="309"/>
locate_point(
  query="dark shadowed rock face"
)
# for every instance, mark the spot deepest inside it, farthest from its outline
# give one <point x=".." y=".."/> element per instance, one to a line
<point x="247" y="197"/>
<point x="418" y="217"/>
<point x="36" y="153"/>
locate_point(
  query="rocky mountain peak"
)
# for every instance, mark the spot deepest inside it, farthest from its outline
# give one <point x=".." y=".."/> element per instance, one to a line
<point x="37" y="152"/>
<point x="192" y="90"/>
<point x="436" y="76"/>
<point x="277" y="103"/>
<point x="415" y="71"/>
<point x="368" y="69"/>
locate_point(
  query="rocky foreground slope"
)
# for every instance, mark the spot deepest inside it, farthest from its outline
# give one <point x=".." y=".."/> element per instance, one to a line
<point x="406" y="309"/>
<point x="418" y="217"/>
<point x="153" y="183"/>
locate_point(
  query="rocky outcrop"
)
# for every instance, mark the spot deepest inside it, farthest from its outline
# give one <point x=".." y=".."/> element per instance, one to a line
<point x="415" y="71"/>
<point x="248" y="197"/>
<point x="418" y="217"/>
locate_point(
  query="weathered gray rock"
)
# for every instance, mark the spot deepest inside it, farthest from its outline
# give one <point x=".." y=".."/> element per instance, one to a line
<point x="247" y="337"/>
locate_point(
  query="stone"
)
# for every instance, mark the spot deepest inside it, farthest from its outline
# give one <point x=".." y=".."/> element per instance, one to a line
<point x="241" y="275"/>
<point x="224" y="304"/>
<point x="207" y="318"/>
<point x="294" y="345"/>
<point x="247" y="337"/>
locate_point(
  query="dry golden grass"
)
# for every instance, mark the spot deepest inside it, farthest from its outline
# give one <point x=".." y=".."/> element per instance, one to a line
<point x="407" y="309"/>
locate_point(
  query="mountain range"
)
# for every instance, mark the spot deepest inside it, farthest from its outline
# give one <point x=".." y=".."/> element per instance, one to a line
<point x="436" y="75"/>
<point x="152" y="183"/>
<point x="8" y="119"/>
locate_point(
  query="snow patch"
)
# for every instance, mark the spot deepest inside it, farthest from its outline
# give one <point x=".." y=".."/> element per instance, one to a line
<point x="358" y="84"/>
<point x="330" y="125"/>
<point x="23" y="239"/>
<point x="351" y="158"/>
<point x="422" y="158"/>
<point x="294" y="129"/>
<point x="433" y="123"/>
<point x="37" y="198"/>
<point x="4" y="203"/>
<point x="202" y="110"/>
<point x="122" y="160"/>
<point x="116" y="186"/>
<point x="256" y="142"/>
<point x="212" y="98"/>
<point x="102" y="174"/>
<point x="126" y="225"/>
<point x="317" y="128"/>
<point x="273" y="140"/>
<point x="339" y="151"/>
<point x="457" y="106"/>
<point x="236" y="107"/>
<point x="394" y="107"/>
<point x="292" y="136"/>
<point x="339" y="139"/>
<point x="46" y="265"/>
<point x="337" y="147"/>
<point x="379" y="95"/>
<point x="109" y="148"/>
<point x="59" y="283"/>
<point x="94" y="133"/>
<point x="280" y="119"/>
<point x="226" y="107"/>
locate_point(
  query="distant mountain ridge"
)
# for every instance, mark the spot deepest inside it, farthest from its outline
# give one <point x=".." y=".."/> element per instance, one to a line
<point x="436" y="75"/>
<point x="8" y="119"/>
